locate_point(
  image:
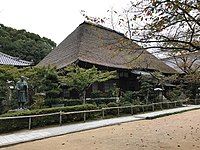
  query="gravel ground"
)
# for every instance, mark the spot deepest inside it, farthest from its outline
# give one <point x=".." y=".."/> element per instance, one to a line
<point x="180" y="131"/>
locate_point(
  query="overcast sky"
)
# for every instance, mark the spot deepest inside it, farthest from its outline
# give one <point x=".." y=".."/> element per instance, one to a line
<point x="54" y="19"/>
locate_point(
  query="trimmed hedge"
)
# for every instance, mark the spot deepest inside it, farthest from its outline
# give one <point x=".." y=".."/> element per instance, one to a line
<point x="73" y="102"/>
<point x="50" y="110"/>
<point x="100" y="101"/>
<point x="17" y="124"/>
<point x="66" y="102"/>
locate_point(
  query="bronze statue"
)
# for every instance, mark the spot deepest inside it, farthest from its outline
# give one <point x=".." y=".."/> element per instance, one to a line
<point x="22" y="92"/>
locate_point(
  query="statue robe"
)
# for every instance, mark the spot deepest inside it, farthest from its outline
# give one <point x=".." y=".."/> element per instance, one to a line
<point x="22" y="88"/>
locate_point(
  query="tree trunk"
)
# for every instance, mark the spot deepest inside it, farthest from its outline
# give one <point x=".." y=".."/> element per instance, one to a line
<point x="83" y="96"/>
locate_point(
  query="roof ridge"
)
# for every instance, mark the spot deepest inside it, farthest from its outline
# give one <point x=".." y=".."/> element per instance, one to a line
<point x="105" y="28"/>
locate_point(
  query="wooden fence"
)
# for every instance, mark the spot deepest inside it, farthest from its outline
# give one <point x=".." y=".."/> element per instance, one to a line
<point x="103" y="110"/>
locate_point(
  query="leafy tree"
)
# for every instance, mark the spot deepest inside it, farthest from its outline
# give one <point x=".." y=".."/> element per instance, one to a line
<point x="8" y="75"/>
<point x="81" y="79"/>
<point x="192" y="83"/>
<point x="186" y="62"/>
<point x="23" y="44"/>
<point x="146" y="92"/>
<point x="170" y="25"/>
<point x="42" y="79"/>
<point x="149" y="82"/>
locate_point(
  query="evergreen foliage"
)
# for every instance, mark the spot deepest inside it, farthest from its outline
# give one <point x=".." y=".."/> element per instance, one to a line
<point x="23" y="44"/>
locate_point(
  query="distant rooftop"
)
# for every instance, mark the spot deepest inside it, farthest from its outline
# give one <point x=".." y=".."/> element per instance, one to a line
<point x="14" y="61"/>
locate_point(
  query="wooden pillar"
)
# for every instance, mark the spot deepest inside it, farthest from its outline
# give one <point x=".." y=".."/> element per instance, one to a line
<point x="152" y="107"/>
<point x="103" y="114"/>
<point x="29" y="123"/>
<point x="84" y="116"/>
<point x="142" y="108"/>
<point x="118" y="111"/>
<point x="168" y="105"/>
<point x="60" y="120"/>
<point x="131" y="110"/>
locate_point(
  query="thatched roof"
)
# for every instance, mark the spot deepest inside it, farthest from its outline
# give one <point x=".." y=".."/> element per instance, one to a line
<point x="14" y="61"/>
<point x="102" y="46"/>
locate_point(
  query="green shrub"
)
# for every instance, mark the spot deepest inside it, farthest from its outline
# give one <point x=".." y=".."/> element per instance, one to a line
<point x="96" y="94"/>
<point x="126" y="110"/>
<point x="112" y="111"/>
<point x="51" y="101"/>
<point x="127" y="103"/>
<point x="16" y="124"/>
<point x="112" y="104"/>
<point x="128" y="97"/>
<point x="158" y="106"/>
<point x="173" y="95"/>
<point x="100" y="101"/>
<point x="102" y="106"/>
<point x="67" y="102"/>
<point x="50" y="110"/>
<point x="72" y="102"/>
<point x="38" y="102"/>
<point x="137" y="110"/>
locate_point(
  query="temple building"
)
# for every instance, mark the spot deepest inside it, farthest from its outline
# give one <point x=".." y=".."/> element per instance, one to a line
<point x="94" y="45"/>
<point x="13" y="61"/>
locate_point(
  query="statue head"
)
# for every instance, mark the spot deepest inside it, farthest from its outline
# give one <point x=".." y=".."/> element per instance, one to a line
<point x="22" y="78"/>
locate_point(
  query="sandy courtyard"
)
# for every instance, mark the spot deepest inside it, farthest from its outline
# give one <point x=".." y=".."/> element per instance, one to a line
<point x="180" y="131"/>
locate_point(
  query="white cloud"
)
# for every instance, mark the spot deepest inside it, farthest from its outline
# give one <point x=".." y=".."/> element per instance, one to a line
<point x="54" y="19"/>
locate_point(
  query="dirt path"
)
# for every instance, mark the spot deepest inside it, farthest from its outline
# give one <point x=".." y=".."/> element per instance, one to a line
<point x="181" y="131"/>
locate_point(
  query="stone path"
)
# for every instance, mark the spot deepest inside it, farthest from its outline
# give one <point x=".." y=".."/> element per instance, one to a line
<point x="30" y="135"/>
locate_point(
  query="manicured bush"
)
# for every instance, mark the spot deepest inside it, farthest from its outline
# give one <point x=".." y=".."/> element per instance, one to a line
<point x="105" y="100"/>
<point x="50" y="102"/>
<point x="137" y="110"/>
<point x="127" y="103"/>
<point x="128" y="97"/>
<point x="50" y="110"/>
<point x="173" y="95"/>
<point x="100" y="101"/>
<point x="125" y="111"/>
<point x="112" y="104"/>
<point x="96" y="94"/>
<point x="112" y="111"/>
<point x="17" y="124"/>
<point x="102" y="106"/>
<point x="66" y="102"/>
<point x="72" y="102"/>
<point x="158" y="106"/>
<point x="39" y="102"/>
<point x="165" y="105"/>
